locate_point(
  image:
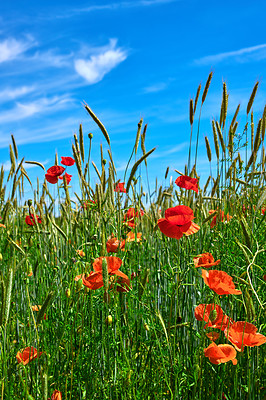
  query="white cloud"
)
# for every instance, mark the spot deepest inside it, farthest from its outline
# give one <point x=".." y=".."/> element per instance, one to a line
<point x="114" y="6"/>
<point x="25" y="110"/>
<point x="254" y="53"/>
<point x="94" y="69"/>
<point x="11" y="94"/>
<point x="12" y="48"/>
<point x="158" y="87"/>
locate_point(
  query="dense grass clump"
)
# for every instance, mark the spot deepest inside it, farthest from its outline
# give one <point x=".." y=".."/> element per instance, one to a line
<point x="77" y="325"/>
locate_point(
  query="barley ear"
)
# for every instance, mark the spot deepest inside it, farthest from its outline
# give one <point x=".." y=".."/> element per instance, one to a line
<point x="252" y="97"/>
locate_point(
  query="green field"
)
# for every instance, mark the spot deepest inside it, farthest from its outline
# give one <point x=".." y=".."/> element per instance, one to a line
<point x="107" y="336"/>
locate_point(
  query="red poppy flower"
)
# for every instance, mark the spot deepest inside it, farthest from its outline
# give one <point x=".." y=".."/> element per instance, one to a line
<point x="53" y="173"/>
<point x="214" y="316"/>
<point x="242" y="334"/>
<point x="28" y="354"/>
<point x="205" y="260"/>
<point x="220" y="282"/>
<point x="221" y="353"/>
<point x="131" y="215"/>
<point x="95" y="279"/>
<point x="213" y="336"/>
<point x="178" y="221"/>
<point x="30" y="220"/>
<point x="68" y="177"/>
<point x="120" y="187"/>
<point x="112" y="245"/>
<point x="221" y="217"/>
<point x="186" y="182"/>
<point x="68" y="161"/>
<point x="57" y="395"/>
<point x="263" y="210"/>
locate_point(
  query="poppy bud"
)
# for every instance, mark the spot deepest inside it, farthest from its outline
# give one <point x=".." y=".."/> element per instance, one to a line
<point x="79" y="285"/>
<point x="109" y="320"/>
<point x="146" y="327"/>
<point x="79" y="330"/>
<point x="104" y="161"/>
<point x="90" y="135"/>
<point x="29" y="202"/>
<point x="68" y="293"/>
<point x="1" y="257"/>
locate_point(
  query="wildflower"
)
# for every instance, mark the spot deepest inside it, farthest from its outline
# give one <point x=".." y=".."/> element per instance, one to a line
<point x="221" y="217"/>
<point x="120" y="187"/>
<point x="80" y="253"/>
<point x="2" y="226"/>
<point x="221" y="353"/>
<point x="37" y="308"/>
<point x="186" y="182"/>
<point x="205" y="260"/>
<point x="95" y="279"/>
<point x="178" y="221"/>
<point x="131" y="237"/>
<point x="213" y="336"/>
<point x="131" y="215"/>
<point x="28" y="354"/>
<point x="78" y="277"/>
<point x="53" y="173"/>
<point x="263" y="210"/>
<point x="213" y="315"/>
<point x="31" y="221"/>
<point x="220" y="282"/>
<point x="57" y="395"/>
<point x="68" y="177"/>
<point x="68" y="161"/>
<point x="242" y="334"/>
<point x="112" y="245"/>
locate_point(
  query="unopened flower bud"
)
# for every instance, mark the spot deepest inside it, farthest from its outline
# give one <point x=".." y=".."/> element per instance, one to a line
<point x="90" y="135"/>
<point x="79" y="284"/>
<point x="109" y="320"/>
<point x="104" y="161"/>
<point x="68" y="293"/>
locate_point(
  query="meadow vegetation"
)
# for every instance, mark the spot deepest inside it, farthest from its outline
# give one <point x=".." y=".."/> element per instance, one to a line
<point x="113" y="293"/>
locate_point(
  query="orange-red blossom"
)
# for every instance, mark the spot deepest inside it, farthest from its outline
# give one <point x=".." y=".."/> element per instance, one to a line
<point x="178" y="222"/>
<point x="213" y="315"/>
<point x="221" y="353"/>
<point x="220" y="282"/>
<point x="242" y="334"/>
<point x="95" y="279"/>
<point x="205" y="260"/>
<point x="28" y="354"/>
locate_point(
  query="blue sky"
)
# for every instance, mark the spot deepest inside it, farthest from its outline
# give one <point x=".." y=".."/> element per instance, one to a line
<point x="127" y="60"/>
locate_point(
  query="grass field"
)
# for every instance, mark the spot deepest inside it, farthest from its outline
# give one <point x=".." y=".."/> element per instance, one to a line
<point x="124" y="327"/>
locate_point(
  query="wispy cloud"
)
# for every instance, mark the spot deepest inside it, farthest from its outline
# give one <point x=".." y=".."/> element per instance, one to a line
<point x="14" y="93"/>
<point x="12" y="48"/>
<point x="254" y="53"/>
<point x="94" y="69"/>
<point x="114" y="6"/>
<point x="24" y="110"/>
<point x="158" y="87"/>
